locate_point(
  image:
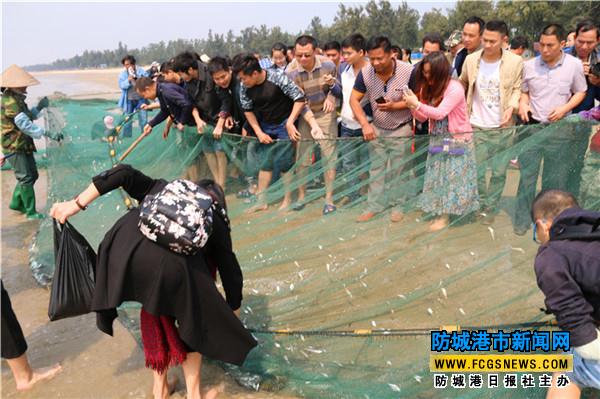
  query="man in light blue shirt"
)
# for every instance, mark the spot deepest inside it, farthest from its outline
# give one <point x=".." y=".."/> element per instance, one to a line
<point x="130" y="100"/>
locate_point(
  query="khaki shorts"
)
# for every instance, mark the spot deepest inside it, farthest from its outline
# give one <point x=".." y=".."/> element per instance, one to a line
<point x="328" y="123"/>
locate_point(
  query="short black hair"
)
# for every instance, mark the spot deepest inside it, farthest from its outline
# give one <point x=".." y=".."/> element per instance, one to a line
<point x="497" y="26"/>
<point x="332" y="45"/>
<point x="586" y="26"/>
<point x="519" y="42"/>
<point x="217" y="64"/>
<point x="379" y="42"/>
<point x="143" y="83"/>
<point x="550" y="203"/>
<point x="129" y="58"/>
<point x="184" y="61"/>
<point x="246" y="64"/>
<point x="305" y="40"/>
<point x="279" y="47"/>
<point x="396" y="49"/>
<point x="166" y="66"/>
<point x="476" y="20"/>
<point x="434" y="38"/>
<point x="554" y="30"/>
<point x="355" y="41"/>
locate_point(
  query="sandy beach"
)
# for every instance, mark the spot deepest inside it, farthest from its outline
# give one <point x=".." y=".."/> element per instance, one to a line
<point x="83" y="83"/>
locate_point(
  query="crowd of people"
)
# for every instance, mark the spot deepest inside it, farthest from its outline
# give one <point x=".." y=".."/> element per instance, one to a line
<point x="467" y="95"/>
<point x="468" y="92"/>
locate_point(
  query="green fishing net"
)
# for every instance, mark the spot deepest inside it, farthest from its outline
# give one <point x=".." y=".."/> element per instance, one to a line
<point x="341" y="309"/>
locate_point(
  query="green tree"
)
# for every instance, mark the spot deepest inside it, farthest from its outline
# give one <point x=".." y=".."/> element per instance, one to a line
<point x="526" y="17"/>
<point x="407" y="26"/>
<point x="465" y="9"/>
<point x="435" y="21"/>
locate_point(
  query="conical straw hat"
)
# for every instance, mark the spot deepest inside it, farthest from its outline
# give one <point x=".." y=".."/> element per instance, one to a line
<point x="15" y="76"/>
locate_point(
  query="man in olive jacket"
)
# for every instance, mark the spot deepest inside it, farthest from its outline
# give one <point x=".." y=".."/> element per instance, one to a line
<point x="492" y="79"/>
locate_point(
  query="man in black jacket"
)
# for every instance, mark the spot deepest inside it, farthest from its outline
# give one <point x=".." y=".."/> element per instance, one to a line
<point x="175" y="104"/>
<point x="201" y="89"/>
<point x="471" y="39"/>
<point x="567" y="267"/>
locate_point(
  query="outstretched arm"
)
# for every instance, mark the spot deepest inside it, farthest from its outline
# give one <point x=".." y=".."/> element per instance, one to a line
<point x="134" y="182"/>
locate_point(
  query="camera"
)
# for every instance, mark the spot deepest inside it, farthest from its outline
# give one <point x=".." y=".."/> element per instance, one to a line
<point x="595" y="69"/>
<point x="131" y="72"/>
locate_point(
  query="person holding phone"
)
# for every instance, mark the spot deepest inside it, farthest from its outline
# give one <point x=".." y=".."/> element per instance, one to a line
<point x="450" y="186"/>
<point x="382" y="81"/>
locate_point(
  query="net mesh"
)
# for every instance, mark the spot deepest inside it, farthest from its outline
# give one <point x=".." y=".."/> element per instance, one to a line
<point x="342" y="309"/>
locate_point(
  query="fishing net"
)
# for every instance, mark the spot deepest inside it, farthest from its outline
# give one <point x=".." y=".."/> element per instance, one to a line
<point x="343" y="309"/>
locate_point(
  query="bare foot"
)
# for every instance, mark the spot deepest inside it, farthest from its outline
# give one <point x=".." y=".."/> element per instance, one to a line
<point x="38" y="375"/>
<point x="257" y="208"/>
<point x="396" y="217"/>
<point x="213" y="392"/>
<point x="170" y="389"/>
<point x="439" y="224"/>
<point x="285" y="205"/>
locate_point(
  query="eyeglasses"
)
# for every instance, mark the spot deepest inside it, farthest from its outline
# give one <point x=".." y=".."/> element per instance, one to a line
<point x="535" y="233"/>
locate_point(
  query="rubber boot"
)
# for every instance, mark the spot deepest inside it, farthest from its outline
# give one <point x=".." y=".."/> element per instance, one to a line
<point x="28" y="196"/>
<point x="16" y="203"/>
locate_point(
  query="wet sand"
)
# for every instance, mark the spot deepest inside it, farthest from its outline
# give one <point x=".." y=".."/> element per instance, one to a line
<point x="95" y="365"/>
<point x="86" y="83"/>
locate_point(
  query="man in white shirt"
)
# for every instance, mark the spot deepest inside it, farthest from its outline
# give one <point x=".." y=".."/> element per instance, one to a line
<point x="354" y="151"/>
<point x="492" y="78"/>
<point x="553" y="85"/>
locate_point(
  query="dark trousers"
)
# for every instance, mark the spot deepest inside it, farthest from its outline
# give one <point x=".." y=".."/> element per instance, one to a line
<point x="25" y="168"/>
<point x="354" y="157"/>
<point x="421" y="146"/>
<point x="579" y="145"/>
<point x="13" y="342"/>
<point x="553" y="146"/>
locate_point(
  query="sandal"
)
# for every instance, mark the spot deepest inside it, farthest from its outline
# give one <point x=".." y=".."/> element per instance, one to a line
<point x="329" y="208"/>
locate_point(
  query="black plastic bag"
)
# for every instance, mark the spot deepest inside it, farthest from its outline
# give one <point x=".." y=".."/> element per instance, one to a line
<point x="74" y="274"/>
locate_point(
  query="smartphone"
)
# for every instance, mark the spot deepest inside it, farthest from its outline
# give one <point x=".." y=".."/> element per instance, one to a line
<point x="381" y="100"/>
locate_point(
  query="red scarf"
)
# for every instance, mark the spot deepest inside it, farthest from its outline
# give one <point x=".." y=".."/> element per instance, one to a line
<point x="162" y="346"/>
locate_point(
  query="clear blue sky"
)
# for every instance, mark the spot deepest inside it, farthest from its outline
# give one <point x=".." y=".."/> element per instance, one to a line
<point x="34" y="33"/>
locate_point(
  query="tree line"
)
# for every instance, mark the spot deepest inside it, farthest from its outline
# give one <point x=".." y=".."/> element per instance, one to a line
<point x="404" y="25"/>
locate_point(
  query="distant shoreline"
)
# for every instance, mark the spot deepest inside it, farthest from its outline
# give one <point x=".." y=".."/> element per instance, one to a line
<point x="112" y="71"/>
<point x="78" y="83"/>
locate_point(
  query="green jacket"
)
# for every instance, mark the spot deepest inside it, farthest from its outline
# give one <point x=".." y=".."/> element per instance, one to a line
<point x="13" y="140"/>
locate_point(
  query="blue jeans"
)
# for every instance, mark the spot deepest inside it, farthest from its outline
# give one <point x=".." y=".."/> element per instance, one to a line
<point x="354" y="155"/>
<point x="586" y="373"/>
<point x="278" y="156"/>
<point x="131" y="106"/>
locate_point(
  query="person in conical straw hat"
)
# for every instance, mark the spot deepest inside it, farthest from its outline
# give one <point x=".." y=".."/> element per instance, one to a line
<point x="18" y="132"/>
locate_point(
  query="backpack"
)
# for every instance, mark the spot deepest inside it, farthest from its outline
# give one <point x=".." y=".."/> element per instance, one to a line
<point x="582" y="226"/>
<point x="179" y="217"/>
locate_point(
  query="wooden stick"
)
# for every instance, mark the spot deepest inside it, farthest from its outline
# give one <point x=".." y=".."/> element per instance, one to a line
<point x="131" y="148"/>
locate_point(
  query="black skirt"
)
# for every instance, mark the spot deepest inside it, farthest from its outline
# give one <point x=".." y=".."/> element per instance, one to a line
<point x="132" y="268"/>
